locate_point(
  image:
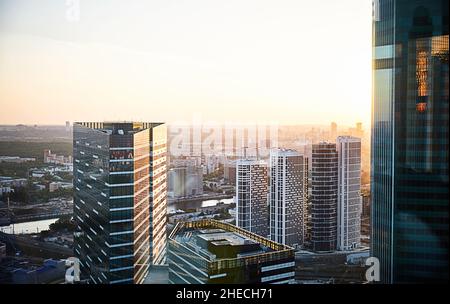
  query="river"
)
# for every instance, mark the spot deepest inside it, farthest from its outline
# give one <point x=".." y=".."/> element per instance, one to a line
<point x="28" y="227"/>
<point x="197" y="204"/>
<point x="38" y="226"/>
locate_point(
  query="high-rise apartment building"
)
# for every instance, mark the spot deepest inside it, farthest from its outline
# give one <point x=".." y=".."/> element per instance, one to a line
<point x="410" y="140"/>
<point x="252" y="187"/>
<point x="324" y="190"/>
<point x="287" y="197"/>
<point x="119" y="199"/>
<point x="349" y="202"/>
<point x="213" y="252"/>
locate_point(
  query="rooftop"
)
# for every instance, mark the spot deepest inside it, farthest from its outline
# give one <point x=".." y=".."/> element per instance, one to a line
<point x="216" y="244"/>
<point x="157" y="274"/>
<point x="119" y="128"/>
<point x="217" y="241"/>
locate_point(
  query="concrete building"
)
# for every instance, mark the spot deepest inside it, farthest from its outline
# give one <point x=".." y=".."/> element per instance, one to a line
<point x="229" y="171"/>
<point x="52" y="158"/>
<point x="212" y="252"/>
<point x="16" y="159"/>
<point x="287" y="196"/>
<point x="185" y="181"/>
<point x="349" y="203"/>
<point x="324" y="190"/>
<point x="53" y="186"/>
<point x="252" y="190"/>
<point x="120" y="201"/>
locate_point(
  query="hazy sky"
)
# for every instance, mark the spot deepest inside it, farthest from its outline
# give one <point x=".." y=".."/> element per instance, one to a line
<point x="295" y="62"/>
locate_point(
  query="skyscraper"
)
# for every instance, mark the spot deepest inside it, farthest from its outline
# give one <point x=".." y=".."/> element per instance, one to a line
<point x="333" y="130"/>
<point x="119" y="199"/>
<point x="287" y="196"/>
<point x="324" y="189"/>
<point x="410" y="140"/>
<point x="349" y="203"/>
<point x="251" y="196"/>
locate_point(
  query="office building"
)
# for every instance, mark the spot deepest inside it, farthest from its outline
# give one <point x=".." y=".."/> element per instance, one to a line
<point x="324" y="190"/>
<point x="287" y="197"/>
<point x="213" y="252"/>
<point x="251" y="196"/>
<point x="119" y="199"/>
<point x="409" y="164"/>
<point x="349" y="203"/>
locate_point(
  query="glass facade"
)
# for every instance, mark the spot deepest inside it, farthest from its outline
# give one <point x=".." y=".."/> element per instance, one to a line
<point x="410" y="140"/>
<point x="324" y="196"/>
<point x="118" y="167"/>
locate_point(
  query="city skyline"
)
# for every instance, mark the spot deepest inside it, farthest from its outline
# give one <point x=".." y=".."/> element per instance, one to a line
<point x="205" y="142"/>
<point x="255" y="56"/>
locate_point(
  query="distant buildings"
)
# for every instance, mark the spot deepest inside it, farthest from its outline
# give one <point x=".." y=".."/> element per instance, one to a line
<point x="333" y="130"/>
<point x="7" y="184"/>
<point x="229" y="171"/>
<point x="51" y="158"/>
<point x="14" y="271"/>
<point x="287" y="197"/>
<point x="410" y="217"/>
<point x="251" y="196"/>
<point x="211" y="163"/>
<point x="211" y="252"/>
<point x="349" y="200"/>
<point x="324" y="190"/>
<point x="119" y="199"/>
<point x="185" y="181"/>
<point x="54" y="186"/>
<point x="16" y="159"/>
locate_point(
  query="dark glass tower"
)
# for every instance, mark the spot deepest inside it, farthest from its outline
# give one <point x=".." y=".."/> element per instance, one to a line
<point x="324" y="196"/>
<point x="410" y="140"/>
<point x="119" y="199"/>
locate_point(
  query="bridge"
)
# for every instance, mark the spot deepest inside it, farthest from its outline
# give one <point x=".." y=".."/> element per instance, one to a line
<point x="199" y="198"/>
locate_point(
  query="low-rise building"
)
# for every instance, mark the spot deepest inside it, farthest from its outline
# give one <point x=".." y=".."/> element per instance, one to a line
<point x="210" y="252"/>
<point x="16" y="159"/>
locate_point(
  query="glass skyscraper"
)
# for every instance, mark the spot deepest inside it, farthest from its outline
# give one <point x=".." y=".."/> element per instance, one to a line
<point x="324" y="196"/>
<point x="119" y="199"/>
<point x="410" y="140"/>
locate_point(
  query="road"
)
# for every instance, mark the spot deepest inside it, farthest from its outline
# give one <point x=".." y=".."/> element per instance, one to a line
<point x="36" y="248"/>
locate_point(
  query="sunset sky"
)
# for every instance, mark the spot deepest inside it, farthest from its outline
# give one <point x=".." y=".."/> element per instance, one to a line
<point x="294" y="62"/>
